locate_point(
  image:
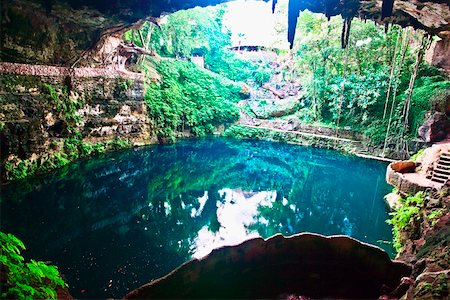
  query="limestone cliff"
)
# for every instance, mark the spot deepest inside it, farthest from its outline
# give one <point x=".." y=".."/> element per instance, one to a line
<point x="45" y="111"/>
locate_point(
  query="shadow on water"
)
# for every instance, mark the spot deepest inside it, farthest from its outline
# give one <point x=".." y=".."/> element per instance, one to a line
<point x="113" y="223"/>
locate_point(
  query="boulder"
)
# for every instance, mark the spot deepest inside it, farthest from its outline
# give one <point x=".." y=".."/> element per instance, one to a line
<point x="274" y="108"/>
<point x="244" y="93"/>
<point x="404" y="166"/>
<point x="447" y="104"/>
<point x="435" y="128"/>
<point x="439" y="54"/>
<point x="306" y="264"/>
<point x="393" y="200"/>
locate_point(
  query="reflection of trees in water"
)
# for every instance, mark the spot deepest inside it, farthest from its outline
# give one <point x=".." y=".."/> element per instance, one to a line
<point x="328" y="199"/>
<point x="161" y="185"/>
<point x="149" y="197"/>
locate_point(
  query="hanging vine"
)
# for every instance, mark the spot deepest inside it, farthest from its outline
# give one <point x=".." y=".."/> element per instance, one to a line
<point x="403" y="145"/>
<point x="393" y="65"/>
<point x="403" y="49"/>
<point x="341" y="98"/>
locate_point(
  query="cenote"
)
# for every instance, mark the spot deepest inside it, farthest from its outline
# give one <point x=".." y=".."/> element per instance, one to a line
<point x="113" y="223"/>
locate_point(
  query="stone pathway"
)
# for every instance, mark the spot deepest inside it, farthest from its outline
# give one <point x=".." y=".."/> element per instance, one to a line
<point x="41" y="70"/>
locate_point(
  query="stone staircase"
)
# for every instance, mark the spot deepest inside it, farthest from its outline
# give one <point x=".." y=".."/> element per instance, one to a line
<point x="441" y="171"/>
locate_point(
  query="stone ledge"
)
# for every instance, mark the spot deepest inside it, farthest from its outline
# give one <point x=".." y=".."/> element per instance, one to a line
<point x="401" y="175"/>
<point x="42" y="70"/>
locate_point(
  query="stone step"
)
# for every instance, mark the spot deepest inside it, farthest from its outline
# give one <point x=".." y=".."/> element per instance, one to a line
<point x="443" y="162"/>
<point x="444" y="158"/>
<point x="442" y="171"/>
<point x="445" y="177"/>
<point x="438" y="180"/>
<point x="443" y="167"/>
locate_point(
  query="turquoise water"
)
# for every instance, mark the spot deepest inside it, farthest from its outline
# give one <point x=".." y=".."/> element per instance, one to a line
<point x="113" y="223"/>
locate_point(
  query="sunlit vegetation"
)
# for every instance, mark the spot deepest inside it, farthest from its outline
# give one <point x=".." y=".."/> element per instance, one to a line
<point x="25" y="280"/>
<point x="356" y="87"/>
<point x="188" y="97"/>
<point x="199" y="32"/>
<point x="404" y="217"/>
<point x="380" y="85"/>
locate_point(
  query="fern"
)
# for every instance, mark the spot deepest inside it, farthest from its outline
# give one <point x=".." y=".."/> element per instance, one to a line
<point x="31" y="280"/>
<point x="405" y="216"/>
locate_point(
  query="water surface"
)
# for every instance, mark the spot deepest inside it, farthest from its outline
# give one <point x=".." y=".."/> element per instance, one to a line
<point x="113" y="223"/>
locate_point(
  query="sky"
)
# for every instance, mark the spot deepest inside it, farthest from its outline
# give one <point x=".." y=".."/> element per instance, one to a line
<point x="253" y="19"/>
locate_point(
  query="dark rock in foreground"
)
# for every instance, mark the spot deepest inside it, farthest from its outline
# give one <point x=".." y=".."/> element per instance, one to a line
<point x="306" y="264"/>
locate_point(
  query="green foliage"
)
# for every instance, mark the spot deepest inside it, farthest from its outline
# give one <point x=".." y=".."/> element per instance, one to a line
<point x="200" y="31"/>
<point x="243" y="132"/>
<point x="405" y="216"/>
<point x="65" y="105"/>
<point x="351" y="85"/>
<point x="429" y="93"/>
<point x="31" y="280"/>
<point x="342" y="84"/>
<point x="415" y="156"/>
<point x="262" y="75"/>
<point x="190" y="98"/>
<point x="125" y="84"/>
<point x="435" y="215"/>
<point x="73" y="149"/>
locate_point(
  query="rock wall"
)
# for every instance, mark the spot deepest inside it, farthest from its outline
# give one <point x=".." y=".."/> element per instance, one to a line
<point x="41" y="107"/>
<point x="440" y="55"/>
<point x="297" y="267"/>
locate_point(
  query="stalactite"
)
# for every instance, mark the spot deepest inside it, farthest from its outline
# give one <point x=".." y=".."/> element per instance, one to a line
<point x="293" y="13"/>
<point x="387" y="8"/>
<point x="344" y="29"/>
<point x="345" y="32"/>
<point x="274" y="4"/>
<point x="348" y="12"/>
<point x="330" y="6"/>
<point x="347" y="35"/>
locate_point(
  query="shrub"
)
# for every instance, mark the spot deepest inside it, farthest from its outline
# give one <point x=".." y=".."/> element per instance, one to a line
<point x="190" y="98"/>
<point x="31" y="280"/>
<point x="405" y="216"/>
